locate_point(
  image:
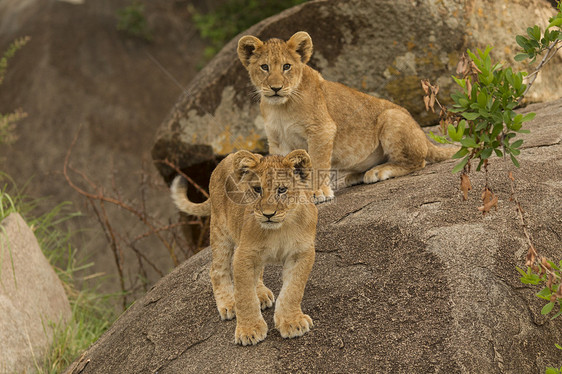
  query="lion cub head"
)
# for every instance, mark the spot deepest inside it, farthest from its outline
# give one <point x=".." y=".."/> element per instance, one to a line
<point x="275" y="187"/>
<point x="275" y="66"/>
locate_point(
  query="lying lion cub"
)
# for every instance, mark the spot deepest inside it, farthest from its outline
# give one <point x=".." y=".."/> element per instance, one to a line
<point x="341" y="128"/>
<point x="262" y="211"/>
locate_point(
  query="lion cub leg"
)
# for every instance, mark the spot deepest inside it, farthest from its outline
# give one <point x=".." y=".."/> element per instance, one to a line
<point x="221" y="278"/>
<point x="289" y="318"/>
<point x="404" y="144"/>
<point x="265" y="295"/>
<point x="389" y="170"/>
<point x="250" y="325"/>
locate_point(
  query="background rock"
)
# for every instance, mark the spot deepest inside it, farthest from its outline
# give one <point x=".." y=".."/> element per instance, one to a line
<point x="408" y="278"/>
<point x="31" y="298"/>
<point x="382" y="47"/>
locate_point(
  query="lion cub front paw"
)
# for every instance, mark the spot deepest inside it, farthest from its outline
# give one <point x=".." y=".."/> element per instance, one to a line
<point x="297" y="325"/>
<point x="266" y="297"/>
<point x="250" y="334"/>
<point x="225" y="305"/>
<point x="323" y="194"/>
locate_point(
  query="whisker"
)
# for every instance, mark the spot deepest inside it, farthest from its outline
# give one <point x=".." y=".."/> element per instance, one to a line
<point x="255" y="94"/>
<point x="298" y="96"/>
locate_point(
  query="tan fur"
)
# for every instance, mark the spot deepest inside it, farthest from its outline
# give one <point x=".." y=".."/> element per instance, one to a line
<point x="341" y="128"/>
<point x="244" y="239"/>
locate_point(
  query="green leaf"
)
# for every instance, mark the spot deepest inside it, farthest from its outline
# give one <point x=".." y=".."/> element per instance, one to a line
<point x="521" y="271"/>
<point x="471" y="116"/>
<point x="522" y="41"/>
<point x="437" y="138"/>
<point x="458" y="167"/>
<point x="517" y="143"/>
<point x="469" y="143"/>
<point x="517" y="81"/>
<point x="454" y="134"/>
<point x="555" y="22"/>
<point x="551" y="370"/>
<point x="528" y="116"/>
<point x="461" y="153"/>
<point x="521" y="57"/>
<point x="547" y="308"/>
<point x="534" y="32"/>
<point x="460" y="82"/>
<point x="498" y="152"/>
<point x="480" y="165"/>
<point x="514" y="160"/>
<point x="482" y="99"/>
<point x="558" y="346"/>
<point x="534" y="43"/>
<point x="544" y="293"/>
<point x="486" y="153"/>
<point x="557" y="314"/>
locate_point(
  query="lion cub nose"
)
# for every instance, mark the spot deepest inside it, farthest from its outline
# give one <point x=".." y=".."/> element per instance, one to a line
<point x="268" y="216"/>
<point x="276" y="89"/>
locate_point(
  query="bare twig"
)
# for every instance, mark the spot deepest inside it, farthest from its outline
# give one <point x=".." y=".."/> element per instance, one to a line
<point x="101" y="197"/>
<point x="191" y="181"/>
<point x="551" y="52"/>
<point x="167" y="233"/>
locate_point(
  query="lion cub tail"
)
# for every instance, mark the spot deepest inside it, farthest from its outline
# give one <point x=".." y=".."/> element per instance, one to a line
<point x="436" y="154"/>
<point x="179" y="196"/>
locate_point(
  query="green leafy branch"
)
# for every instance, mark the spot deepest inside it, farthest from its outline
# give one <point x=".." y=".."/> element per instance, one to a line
<point x="537" y="42"/>
<point x="485" y="121"/>
<point x="541" y="270"/>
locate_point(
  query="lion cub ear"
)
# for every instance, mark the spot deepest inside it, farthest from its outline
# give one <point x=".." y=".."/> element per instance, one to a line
<point x="247" y="45"/>
<point x="243" y="161"/>
<point x="299" y="160"/>
<point x="301" y="43"/>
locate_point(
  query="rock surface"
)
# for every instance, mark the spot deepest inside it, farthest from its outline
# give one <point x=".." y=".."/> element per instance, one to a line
<point x="31" y="297"/>
<point x="382" y="47"/>
<point x="408" y="279"/>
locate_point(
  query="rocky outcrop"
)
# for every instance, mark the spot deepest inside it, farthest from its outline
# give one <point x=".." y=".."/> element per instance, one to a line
<point x="382" y="47"/>
<point x="408" y="279"/>
<point x="31" y="298"/>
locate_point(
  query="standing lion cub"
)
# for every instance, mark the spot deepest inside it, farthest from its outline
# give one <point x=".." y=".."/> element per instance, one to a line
<point x="262" y="211"/>
<point x="341" y="128"/>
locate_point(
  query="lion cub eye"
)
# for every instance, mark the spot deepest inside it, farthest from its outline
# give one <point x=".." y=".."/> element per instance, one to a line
<point x="257" y="189"/>
<point x="265" y="67"/>
<point x="281" y="190"/>
<point x="286" y="67"/>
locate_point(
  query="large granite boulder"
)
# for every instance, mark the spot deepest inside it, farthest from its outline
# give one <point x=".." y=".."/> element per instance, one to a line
<point x="382" y="47"/>
<point x="32" y="299"/>
<point x="409" y="278"/>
